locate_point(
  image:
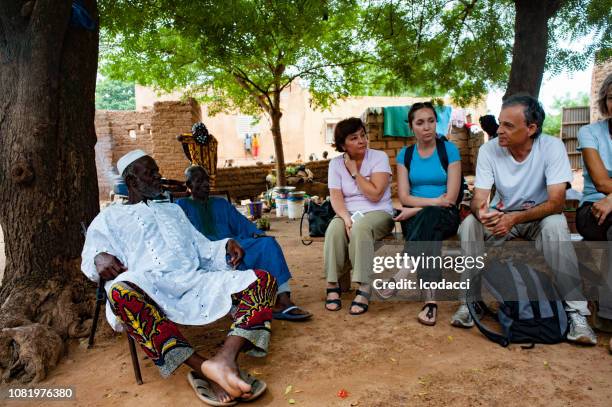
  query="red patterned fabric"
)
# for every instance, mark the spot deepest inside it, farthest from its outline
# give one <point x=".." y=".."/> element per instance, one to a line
<point x="255" y="303"/>
<point x="145" y="322"/>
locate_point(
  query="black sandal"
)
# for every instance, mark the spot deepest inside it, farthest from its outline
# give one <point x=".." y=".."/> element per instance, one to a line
<point x="364" y="307"/>
<point x="430" y="314"/>
<point x="336" y="301"/>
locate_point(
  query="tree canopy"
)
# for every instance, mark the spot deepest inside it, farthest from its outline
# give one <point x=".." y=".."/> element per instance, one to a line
<point x="115" y="95"/>
<point x="241" y="54"/>
<point x="237" y="54"/>
<point x="466" y="47"/>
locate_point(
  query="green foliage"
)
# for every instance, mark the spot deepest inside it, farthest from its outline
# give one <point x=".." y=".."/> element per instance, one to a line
<point x="577" y="19"/>
<point x="235" y="54"/>
<point x="438" y="47"/>
<point x="464" y="47"/>
<point x="552" y="123"/>
<point x="115" y="95"/>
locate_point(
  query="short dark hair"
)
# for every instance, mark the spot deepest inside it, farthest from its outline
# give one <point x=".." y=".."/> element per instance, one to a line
<point x="532" y="110"/>
<point x="192" y="169"/>
<point x="344" y="128"/>
<point x="418" y="106"/>
<point x="602" y="95"/>
<point x="489" y="124"/>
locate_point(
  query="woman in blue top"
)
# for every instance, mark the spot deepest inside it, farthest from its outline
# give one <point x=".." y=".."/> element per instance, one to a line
<point x="594" y="217"/>
<point x="428" y="195"/>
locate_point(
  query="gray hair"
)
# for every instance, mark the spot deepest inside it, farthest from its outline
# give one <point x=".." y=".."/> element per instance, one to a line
<point x="532" y="110"/>
<point x="603" y="94"/>
<point x="193" y="168"/>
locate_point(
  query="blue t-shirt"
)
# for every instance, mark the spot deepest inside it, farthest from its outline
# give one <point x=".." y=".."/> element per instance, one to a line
<point x="596" y="136"/>
<point x="426" y="176"/>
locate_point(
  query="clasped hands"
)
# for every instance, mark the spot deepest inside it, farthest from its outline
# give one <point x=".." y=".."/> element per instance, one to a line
<point x="498" y="223"/>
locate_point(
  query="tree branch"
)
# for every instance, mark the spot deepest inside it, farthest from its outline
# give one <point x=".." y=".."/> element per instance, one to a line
<point x="309" y="71"/>
<point x="246" y="79"/>
<point x="260" y="98"/>
<point x="466" y="12"/>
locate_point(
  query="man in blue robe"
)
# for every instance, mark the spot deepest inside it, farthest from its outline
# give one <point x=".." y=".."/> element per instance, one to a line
<point x="217" y="219"/>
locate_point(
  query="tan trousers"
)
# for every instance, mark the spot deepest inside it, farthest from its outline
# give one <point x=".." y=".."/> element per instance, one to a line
<point x="359" y="249"/>
<point x="552" y="237"/>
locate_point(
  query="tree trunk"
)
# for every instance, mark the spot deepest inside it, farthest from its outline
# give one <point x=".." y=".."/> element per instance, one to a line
<point x="530" y="45"/>
<point x="281" y="179"/>
<point x="48" y="181"/>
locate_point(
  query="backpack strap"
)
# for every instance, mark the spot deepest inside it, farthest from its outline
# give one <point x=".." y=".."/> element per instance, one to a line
<point x="442" y="153"/>
<point x="493" y="336"/>
<point x="408" y="157"/>
<point x="443" y="156"/>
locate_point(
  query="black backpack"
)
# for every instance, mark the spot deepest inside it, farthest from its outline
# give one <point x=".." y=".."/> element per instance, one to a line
<point x="530" y="308"/>
<point x="443" y="156"/>
<point x="319" y="217"/>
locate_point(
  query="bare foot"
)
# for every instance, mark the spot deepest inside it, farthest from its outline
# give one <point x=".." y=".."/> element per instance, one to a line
<point x="220" y="394"/>
<point x="283" y="301"/>
<point x="225" y="373"/>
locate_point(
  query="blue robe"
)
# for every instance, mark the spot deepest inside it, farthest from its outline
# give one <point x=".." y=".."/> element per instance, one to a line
<point x="259" y="253"/>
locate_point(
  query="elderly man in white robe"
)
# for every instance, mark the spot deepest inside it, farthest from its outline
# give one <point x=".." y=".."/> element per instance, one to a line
<point x="160" y="271"/>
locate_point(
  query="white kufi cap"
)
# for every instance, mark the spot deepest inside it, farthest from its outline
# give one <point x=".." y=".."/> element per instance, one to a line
<point x="128" y="159"/>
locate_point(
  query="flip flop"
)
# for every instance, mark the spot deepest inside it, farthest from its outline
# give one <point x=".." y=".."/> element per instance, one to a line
<point x="288" y="316"/>
<point x="257" y="386"/>
<point x="430" y="314"/>
<point x="204" y="391"/>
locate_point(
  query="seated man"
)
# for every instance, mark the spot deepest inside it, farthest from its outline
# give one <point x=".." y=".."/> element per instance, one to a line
<point x="160" y="271"/>
<point x="217" y="219"/>
<point x="530" y="172"/>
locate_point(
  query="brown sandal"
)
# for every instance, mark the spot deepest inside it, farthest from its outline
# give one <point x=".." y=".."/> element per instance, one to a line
<point x="431" y="317"/>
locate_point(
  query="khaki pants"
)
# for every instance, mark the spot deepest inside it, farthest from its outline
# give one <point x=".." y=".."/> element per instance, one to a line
<point x="551" y="235"/>
<point x="359" y="249"/>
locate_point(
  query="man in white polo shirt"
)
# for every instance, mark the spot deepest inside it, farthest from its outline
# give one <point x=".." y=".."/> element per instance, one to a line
<point x="530" y="172"/>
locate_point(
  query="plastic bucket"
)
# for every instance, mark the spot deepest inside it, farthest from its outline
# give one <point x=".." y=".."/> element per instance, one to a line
<point x="296" y="195"/>
<point x="295" y="208"/>
<point x="281" y="207"/>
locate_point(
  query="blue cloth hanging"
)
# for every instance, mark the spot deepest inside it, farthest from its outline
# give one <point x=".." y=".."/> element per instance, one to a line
<point x="80" y="18"/>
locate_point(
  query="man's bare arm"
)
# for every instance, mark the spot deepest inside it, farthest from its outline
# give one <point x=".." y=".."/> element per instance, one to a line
<point x="554" y="204"/>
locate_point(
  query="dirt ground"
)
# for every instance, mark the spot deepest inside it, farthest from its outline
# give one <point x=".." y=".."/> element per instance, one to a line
<point x="382" y="358"/>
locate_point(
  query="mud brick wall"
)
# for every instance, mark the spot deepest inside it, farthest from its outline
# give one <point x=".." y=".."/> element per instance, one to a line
<point x="153" y="131"/>
<point x="168" y="121"/>
<point x="119" y="132"/>
<point x="474" y="143"/>
<point x="249" y="182"/>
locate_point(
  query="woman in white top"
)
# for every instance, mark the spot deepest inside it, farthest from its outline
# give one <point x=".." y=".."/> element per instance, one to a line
<point x="360" y="194"/>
